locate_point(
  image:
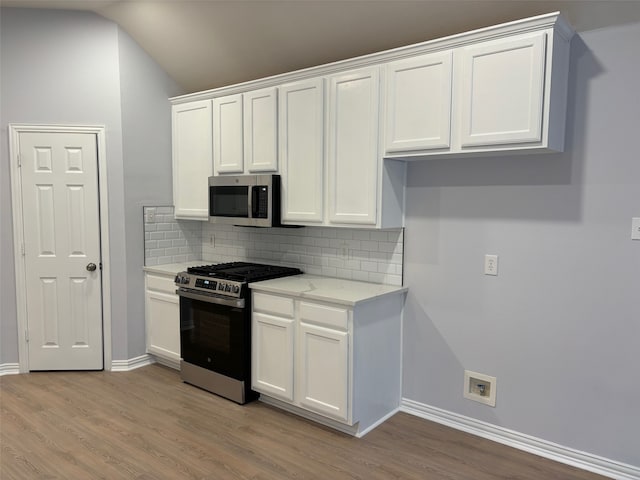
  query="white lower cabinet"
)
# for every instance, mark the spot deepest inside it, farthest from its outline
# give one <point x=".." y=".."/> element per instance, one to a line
<point x="272" y="356"/>
<point x="335" y="364"/>
<point x="162" y="318"/>
<point x="323" y="375"/>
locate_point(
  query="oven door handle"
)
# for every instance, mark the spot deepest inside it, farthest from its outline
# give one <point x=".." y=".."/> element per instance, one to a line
<point x="238" y="303"/>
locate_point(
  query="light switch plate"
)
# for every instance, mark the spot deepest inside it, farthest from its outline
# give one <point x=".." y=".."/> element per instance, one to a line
<point x="635" y="228"/>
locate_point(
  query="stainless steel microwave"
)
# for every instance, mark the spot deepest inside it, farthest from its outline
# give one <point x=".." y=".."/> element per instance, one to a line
<point x="247" y="200"/>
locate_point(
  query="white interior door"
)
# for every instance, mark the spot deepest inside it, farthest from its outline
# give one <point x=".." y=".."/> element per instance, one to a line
<point x="59" y="183"/>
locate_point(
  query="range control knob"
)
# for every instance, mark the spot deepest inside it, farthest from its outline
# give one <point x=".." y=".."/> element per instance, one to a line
<point x="236" y="289"/>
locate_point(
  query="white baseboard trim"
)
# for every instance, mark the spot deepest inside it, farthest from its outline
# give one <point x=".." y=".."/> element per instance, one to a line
<point x="569" y="456"/>
<point x="9" y="369"/>
<point x="167" y="362"/>
<point x="132" y="363"/>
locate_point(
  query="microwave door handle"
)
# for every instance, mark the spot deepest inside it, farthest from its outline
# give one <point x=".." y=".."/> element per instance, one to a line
<point x="253" y="202"/>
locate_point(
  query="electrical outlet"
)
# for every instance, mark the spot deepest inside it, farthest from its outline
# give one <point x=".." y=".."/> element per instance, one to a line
<point x="343" y="250"/>
<point x="635" y="228"/>
<point x="480" y="388"/>
<point x="491" y="264"/>
<point x="150" y="215"/>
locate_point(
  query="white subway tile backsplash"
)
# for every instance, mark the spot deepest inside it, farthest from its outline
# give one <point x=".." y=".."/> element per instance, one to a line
<point x="369" y="266"/>
<point x="358" y="254"/>
<point x="365" y="255"/>
<point x="171" y="241"/>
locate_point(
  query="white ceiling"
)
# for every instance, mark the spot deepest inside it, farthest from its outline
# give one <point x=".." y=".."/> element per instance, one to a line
<point x="208" y="43"/>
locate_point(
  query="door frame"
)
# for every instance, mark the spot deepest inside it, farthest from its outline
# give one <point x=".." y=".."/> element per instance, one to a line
<point x="18" y="233"/>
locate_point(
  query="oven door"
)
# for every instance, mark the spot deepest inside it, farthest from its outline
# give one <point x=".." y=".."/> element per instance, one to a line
<point x="215" y="336"/>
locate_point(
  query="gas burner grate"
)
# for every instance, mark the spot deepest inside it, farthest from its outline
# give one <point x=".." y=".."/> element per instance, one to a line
<point x="243" y="271"/>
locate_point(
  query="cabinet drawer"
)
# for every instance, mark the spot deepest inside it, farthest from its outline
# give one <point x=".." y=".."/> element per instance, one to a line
<point x="273" y="304"/>
<point x="324" y="315"/>
<point x="161" y="283"/>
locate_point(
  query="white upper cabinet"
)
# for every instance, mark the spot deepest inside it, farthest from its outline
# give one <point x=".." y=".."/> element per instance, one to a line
<point x="340" y="134"/>
<point x="228" y="152"/>
<point x="498" y="89"/>
<point x="502" y="91"/>
<point x="353" y="146"/>
<point x="245" y="138"/>
<point x="192" y="162"/>
<point x="418" y="96"/>
<point x="260" y="130"/>
<point x="301" y="128"/>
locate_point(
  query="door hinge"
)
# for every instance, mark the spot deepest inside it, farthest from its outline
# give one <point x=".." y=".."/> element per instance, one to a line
<point x="22" y="250"/>
<point x="26" y="336"/>
<point x="19" y="160"/>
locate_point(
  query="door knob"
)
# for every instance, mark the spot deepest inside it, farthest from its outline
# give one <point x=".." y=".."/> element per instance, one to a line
<point x="91" y="267"/>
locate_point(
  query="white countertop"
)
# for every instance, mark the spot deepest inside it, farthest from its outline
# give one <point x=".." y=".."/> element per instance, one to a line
<point x="326" y="289"/>
<point x="173" y="268"/>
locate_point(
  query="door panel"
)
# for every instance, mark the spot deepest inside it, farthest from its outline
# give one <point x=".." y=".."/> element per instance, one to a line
<point x="419" y="103"/>
<point x="502" y="91"/>
<point x="61" y="237"/>
<point x="260" y="130"/>
<point x="301" y="132"/>
<point x="353" y="141"/>
<point x="192" y="137"/>
<point x="228" y="139"/>
<point x="272" y="355"/>
<point x="324" y="371"/>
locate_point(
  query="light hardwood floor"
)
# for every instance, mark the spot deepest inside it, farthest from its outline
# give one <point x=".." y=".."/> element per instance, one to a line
<point x="146" y="424"/>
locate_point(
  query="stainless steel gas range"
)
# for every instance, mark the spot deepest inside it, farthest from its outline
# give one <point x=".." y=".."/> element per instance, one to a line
<point x="215" y="325"/>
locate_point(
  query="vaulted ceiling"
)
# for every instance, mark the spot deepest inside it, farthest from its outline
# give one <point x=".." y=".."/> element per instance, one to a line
<point x="208" y="43"/>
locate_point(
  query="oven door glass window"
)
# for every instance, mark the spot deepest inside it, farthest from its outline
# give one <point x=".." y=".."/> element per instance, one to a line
<point x="215" y="337"/>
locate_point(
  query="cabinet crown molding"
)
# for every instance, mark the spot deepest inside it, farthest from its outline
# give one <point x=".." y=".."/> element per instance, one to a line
<point x="553" y="20"/>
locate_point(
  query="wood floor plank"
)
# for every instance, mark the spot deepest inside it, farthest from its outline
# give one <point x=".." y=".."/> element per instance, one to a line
<point x="146" y="424"/>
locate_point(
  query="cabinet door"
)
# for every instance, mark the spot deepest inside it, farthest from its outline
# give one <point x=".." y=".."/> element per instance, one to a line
<point x="272" y="355"/>
<point x="418" y="98"/>
<point x="353" y="147"/>
<point x="163" y="325"/>
<point x="260" y="130"/>
<point x="227" y="134"/>
<point x="502" y="91"/>
<point x="192" y="161"/>
<point x="301" y="130"/>
<point x="323" y="374"/>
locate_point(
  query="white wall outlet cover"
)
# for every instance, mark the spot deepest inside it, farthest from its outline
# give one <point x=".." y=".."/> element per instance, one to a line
<point x="150" y="215"/>
<point x="491" y="264"/>
<point x="635" y="228"/>
<point x="480" y="387"/>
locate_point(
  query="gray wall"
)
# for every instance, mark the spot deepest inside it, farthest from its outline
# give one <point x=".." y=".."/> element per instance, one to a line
<point x="67" y="67"/>
<point x="146" y="146"/>
<point x="560" y="326"/>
